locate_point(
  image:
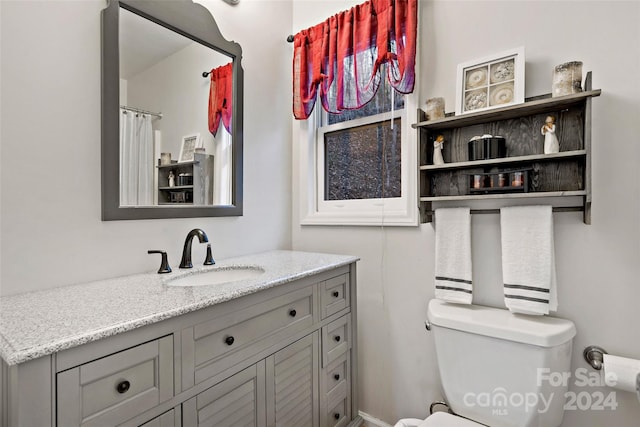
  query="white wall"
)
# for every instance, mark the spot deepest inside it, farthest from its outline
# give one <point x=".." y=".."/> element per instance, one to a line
<point x="598" y="266"/>
<point x="52" y="234"/>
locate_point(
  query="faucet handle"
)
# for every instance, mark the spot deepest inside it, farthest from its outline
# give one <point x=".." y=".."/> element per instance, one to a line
<point x="209" y="258"/>
<point x="164" y="265"/>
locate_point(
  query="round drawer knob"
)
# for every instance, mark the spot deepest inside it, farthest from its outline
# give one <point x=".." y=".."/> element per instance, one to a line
<point x="337" y="338"/>
<point x="336" y="377"/>
<point x="123" y="386"/>
<point x="336" y="416"/>
<point x="336" y="294"/>
<point x="229" y="340"/>
<point x="292" y="313"/>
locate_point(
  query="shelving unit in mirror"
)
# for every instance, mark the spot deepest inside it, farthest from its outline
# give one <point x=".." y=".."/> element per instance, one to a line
<point x="563" y="179"/>
<point x="193" y="182"/>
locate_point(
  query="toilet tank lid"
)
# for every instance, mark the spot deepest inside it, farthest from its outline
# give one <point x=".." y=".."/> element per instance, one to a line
<point x="543" y="331"/>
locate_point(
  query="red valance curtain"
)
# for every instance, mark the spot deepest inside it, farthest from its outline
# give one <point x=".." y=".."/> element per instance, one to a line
<point x="341" y="57"/>
<point x="220" y="98"/>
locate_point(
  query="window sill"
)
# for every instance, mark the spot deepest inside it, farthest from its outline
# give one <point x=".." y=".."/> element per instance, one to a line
<point x="355" y="218"/>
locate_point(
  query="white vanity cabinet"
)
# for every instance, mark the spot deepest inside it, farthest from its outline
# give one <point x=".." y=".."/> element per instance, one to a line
<point x="284" y="356"/>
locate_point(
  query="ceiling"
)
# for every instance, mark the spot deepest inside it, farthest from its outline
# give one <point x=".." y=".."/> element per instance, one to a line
<point x="144" y="43"/>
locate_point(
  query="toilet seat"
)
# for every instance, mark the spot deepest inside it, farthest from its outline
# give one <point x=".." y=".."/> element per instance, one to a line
<point x="445" y="419"/>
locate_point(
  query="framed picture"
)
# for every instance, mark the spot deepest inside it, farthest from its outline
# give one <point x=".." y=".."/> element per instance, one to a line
<point x="188" y="147"/>
<point x="491" y="82"/>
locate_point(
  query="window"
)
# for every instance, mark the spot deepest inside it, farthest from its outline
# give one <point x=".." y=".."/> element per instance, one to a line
<point x="359" y="169"/>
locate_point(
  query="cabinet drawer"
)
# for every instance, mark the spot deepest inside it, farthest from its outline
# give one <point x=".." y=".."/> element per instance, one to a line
<point x="118" y="387"/>
<point x="334" y="295"/>
<point x="338" y="412"/>
<point x="237" y="331"/>
<point x="336" y="339"/>
<point x="336" y="373"/>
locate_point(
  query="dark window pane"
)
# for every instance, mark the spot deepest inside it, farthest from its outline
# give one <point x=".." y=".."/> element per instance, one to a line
<point x="363" y="162"/>
<point x="381" y="103"/>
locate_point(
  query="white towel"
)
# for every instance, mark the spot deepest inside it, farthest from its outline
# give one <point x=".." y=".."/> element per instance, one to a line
<point x="453" y="255"/>
<point x="528" y="259"/>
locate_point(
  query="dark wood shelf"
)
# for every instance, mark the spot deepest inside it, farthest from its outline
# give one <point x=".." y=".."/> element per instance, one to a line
<point x="506" y="160"/>
<point x="536" y="106"/>
<point x="562" y="178"/>
<point x="178" y="165"/>
<point x="176" y="204"/>
<point x="530" y="195"/>
<point x="176" y="188"/>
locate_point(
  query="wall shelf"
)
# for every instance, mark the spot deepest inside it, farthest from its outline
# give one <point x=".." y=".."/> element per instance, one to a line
<point x="563" y="177"/>
<point x="178" y="164"/>
<point x="177" y="188"/>
<point x="198" y="194"/>
<point x="506" y="160"/>
<point x="537" y="105"/>
<point x="538" y="194"/>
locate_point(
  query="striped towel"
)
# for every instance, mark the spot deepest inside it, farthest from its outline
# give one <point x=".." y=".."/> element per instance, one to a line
<point x="453" y="255"/>
<point x="528" y="259"/>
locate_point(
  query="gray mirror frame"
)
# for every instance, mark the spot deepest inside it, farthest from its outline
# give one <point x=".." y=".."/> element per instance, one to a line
<point x="191" y="20"/>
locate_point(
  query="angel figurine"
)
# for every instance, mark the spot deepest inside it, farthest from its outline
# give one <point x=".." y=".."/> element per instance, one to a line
<point x="551" y="144"/>
<point x="438" y="144"/>
<point x="172" y="180"/>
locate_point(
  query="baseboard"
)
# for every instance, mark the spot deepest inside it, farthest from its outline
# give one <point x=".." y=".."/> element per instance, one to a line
<point x="373" y="420"/>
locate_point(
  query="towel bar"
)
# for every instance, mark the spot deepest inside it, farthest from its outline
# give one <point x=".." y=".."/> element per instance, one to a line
<point x="497" y="211"/>
<point x="431" y="213"/>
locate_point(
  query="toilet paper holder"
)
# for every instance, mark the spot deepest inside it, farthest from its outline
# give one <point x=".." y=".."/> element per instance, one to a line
<point x="594" y="356"/>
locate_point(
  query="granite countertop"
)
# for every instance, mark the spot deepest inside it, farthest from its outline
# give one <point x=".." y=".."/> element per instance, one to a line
<point x="36" y="324"/>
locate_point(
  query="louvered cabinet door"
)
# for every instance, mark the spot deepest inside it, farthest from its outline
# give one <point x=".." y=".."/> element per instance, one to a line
<point x="292" y="384"/>
<point x="238" y="401"/>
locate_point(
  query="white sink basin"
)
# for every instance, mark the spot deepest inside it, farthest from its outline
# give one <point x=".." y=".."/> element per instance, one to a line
<point x="217" y="276"/>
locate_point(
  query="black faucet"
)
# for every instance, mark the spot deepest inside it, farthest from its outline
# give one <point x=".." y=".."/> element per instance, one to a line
<point x="186" y="251"/>
<point x="164" y="265"/>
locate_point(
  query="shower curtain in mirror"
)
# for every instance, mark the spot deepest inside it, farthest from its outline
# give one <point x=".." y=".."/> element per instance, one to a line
<point x="136" y="159"/>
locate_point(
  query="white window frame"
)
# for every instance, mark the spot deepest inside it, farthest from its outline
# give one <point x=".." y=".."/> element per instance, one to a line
<point x="314" y="210"/>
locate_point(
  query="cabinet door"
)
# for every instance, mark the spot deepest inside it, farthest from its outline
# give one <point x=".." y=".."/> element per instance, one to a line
<point x="292" y="384"/>
<point x="238" y="401"/>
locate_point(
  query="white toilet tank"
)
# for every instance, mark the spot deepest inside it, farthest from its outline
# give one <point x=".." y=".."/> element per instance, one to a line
<point x="496" y="366"/>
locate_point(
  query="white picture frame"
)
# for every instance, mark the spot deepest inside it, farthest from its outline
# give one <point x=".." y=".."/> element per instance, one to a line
<point x="491" y="82"/>
<point x="188" y="147"/>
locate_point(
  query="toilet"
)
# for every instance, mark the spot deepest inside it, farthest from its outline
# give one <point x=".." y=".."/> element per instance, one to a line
<point x="497" y="368"/>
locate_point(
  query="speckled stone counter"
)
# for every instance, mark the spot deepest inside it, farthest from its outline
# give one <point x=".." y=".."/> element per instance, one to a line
<point x="36" y="324"/>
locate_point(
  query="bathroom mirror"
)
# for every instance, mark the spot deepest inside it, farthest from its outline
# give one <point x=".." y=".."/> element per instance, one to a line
<point x="160" y="158"/>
